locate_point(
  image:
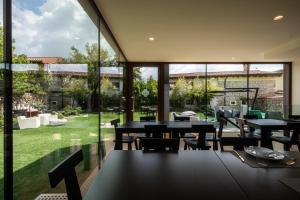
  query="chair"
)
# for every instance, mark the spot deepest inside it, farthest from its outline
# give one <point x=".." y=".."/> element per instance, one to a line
<point x="216" y="137"/>
<point x="245" y="138"/>
<point x="138" y="136"/>
<point x="65" y="170"/>
<point x="182" y="134"/>
<point x="160" y="144"/>
<point x="200" y="142"/>
<point x="286" y="140"/>
<point x="155" y="130"/>
<point x="125" y="139"/>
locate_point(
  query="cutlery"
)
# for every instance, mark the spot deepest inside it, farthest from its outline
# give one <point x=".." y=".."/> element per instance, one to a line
<point x="240" y="157"/>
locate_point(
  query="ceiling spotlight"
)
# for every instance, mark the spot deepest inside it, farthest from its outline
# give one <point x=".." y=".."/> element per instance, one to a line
<point x="151" y="38"/>
<point x="278" y="17"/>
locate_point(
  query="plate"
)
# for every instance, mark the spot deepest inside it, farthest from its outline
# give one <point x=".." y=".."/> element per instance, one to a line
<point x="264" y="153"/>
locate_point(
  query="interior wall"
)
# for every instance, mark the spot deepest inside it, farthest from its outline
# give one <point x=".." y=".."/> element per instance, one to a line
<point x="295" y="87"/>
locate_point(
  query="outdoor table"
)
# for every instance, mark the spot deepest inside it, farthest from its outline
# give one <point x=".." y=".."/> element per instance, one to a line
<point x="266" y="127"/>
<point x="176" y="126"/>
<point x="209" y="175"/>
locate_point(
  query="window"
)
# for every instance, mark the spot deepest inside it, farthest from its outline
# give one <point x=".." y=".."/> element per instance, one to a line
<point x="145" y="92"/>
<point x="267" y="79"/>
<point x="55" y="91"/>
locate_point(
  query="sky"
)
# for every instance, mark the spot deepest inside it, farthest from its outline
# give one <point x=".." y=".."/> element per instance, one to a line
<point x="51" y="27"/>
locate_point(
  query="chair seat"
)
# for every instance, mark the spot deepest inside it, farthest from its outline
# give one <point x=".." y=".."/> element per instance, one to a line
<point x="54" y="196"/>
<point x="127" y="139"/>
<point x="281" y="139"/>
<point x="211" y="138"/>
<point x="193" y="143"/>
<point x="188" y="135"/>
<point x="140" y="135"/>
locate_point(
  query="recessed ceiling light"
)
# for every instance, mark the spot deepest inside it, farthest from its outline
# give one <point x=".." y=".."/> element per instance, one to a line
<point x="151" y="38"/>
<point x="278" y="17"/>
<point x="233" y="58"/>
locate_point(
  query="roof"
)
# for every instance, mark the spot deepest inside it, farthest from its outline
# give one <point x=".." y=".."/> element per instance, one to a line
<point x="46" y="60"/>
<point x="228" y="73"/>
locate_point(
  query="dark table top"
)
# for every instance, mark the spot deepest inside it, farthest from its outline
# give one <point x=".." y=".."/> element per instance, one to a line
<point x="261" y="183"/>
<point x="171" y="125"/>
<point x="272" y="123"/>
<point x="187" y="175"/>
<point x="156" y="176"/>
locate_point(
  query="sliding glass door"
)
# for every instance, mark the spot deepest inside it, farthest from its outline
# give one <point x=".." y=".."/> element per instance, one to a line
<point x="145" y="92"/>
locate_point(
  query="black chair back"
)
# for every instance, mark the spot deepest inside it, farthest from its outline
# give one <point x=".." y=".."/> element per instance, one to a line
<point x="160" y="144"/>
<point x="66" y="170"/>
<point x="201" y="142"/>
<point x="147" y="118"/>
<point x="155" y="130"/>
<point x="181" y="118"/>
<point x="115" y="122"/>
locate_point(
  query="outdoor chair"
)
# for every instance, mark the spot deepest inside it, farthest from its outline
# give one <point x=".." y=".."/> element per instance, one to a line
<point x="125" y="139"/>
<point x="65" y="170"/>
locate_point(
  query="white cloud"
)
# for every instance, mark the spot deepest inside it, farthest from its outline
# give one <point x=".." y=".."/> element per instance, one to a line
<point x="54" y="31"/>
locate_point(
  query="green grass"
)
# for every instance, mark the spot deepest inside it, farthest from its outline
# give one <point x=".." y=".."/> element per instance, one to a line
<point x="32" y="144"/>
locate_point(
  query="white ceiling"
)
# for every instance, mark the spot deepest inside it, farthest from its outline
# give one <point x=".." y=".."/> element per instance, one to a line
<point x="205" y="30"/>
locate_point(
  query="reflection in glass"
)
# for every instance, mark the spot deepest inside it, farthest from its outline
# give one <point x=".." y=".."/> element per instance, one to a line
<point x="145" y="92"/>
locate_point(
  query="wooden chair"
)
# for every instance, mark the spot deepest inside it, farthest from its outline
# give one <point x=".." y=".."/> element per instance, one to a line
<point x="199" y="143"/>
<point x="160" y="144"/>
<point x="183" y="134"/>
<point x="155" y="130"/>
<point x="65" y="170"/>
<point x="138" y="136"/>
<point x="125" y="139"/>
<point x="287" y="140"/>
<point x="216" y="137"/>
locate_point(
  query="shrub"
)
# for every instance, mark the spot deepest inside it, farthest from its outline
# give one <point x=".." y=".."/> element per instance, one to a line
<point x="68" y="111"/>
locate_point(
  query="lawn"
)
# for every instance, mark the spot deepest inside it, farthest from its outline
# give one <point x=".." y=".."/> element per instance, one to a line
<point x="32" y="144"/>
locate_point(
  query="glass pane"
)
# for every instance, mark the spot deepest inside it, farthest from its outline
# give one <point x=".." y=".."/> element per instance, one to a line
<point x="145" y="91"/>
<point x="55" y="92"/>
<point x="227" y="89"/>
<point x="188" y="94"/>
<point x="267" y="79"/>
<point x="1" y="103"/>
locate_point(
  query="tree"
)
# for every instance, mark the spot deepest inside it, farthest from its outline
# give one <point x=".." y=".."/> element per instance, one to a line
<point x="78" y="90"/>
<point x="90" y="57"/>
<point x="179" y="93"/>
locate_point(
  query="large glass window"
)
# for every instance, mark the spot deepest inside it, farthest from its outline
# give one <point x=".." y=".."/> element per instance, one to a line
<point x="145" y="92"/>
<point x="1" y="103"/>
<point x="188" y="91"/>
<point x="55" y="92"/>
<point x="267" y="80"/>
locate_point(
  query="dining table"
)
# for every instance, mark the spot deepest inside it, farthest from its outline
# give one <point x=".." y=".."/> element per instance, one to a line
<point x="171" y="126"/>
<point x="266" y="127"/>
<point x="209" y="175"/>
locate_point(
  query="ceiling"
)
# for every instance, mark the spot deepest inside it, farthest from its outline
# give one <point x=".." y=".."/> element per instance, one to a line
<point x="205" y="30"/>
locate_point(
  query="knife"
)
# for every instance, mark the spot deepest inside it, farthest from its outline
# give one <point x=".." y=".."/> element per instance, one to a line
<point x="240" y="157"/>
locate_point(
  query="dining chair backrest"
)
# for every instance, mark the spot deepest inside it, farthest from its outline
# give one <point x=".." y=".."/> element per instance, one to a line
<point x="201" y="142"/>
<point x="160" y="144"/>
<point x="147" y="118"/>
<point x="155" y="130"/>
<point x="241" y="123"/>
<point x="115" y="122"/>
<point x="250" y="116"/>
<point x="66" y="170"/>
<point x="182" y="118"/>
